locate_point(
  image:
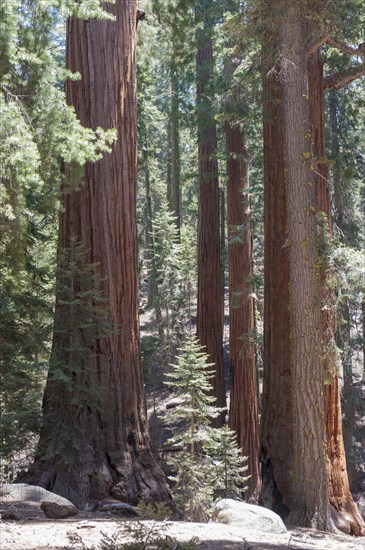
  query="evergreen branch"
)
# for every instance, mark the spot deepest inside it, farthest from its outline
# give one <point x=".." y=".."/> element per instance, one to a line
<point x="339" y="80"/>
<point x="338" y="45"/>
<point x="317" y="43"/>
<point x="345" y="48"/>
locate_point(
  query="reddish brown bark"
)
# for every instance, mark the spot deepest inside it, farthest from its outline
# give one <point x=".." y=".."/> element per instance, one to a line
<point x="209" y="308"/>
<point x="293" y="428"/>
<point x="90" y="450"/>
<point x="243" y="413"/>
<point x="344" y="511"/>
<point x="307" y="498"/>
<point x="175" y="146"/>
<point x="276" y="412"/>
<point x="277" y="416"/>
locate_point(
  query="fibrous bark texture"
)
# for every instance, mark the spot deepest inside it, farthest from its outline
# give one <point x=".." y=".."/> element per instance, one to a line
<point x="93" y="447"/>
<point x="209" y="308"/>
<point x="297" y="227"/>
<point x="344" y="511"/>
<point x="175" y="146"/>
<point x="343" y="331"/>
<point x="308" y="500"/>
<point x="293" y="423"/>
<point x="243" y="414"/>
<point x="276" y="424"/>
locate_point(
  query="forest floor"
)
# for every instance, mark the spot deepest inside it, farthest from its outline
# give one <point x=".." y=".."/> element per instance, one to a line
<point x="32" y="531"/>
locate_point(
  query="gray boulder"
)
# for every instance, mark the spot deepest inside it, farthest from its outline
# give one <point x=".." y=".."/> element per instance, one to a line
<point x="247" y="516"/>
<point x="58" y="511"/>
<point x="24" y="492"/>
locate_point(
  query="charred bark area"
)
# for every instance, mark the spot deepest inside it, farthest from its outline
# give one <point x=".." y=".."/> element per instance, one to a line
<point x="243" y="414"/>
<point x="93" y="448"/>
<point x="209" y="307"/>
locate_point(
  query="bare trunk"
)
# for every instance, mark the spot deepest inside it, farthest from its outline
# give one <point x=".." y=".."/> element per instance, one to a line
<point x="343" y="329"/>
<point x="349" y="409"/>
<point x="175" y="148"/>
<point x="148" y="214"/>
<point x="307" y="500"/>
<point x="222" y="208"/>
<point x="276" y="418"/>
<point x="94" y="447"/>
<point x="343" y="509"/>
<point x="243" y="414"/>
<point x="209" y="308"/>
<point x="169" y="161"/>
<point x="288" y="383"/>
<point x="335" y="146"/>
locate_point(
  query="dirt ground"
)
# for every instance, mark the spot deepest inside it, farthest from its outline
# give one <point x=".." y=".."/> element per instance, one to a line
<point x="33" y="531"/>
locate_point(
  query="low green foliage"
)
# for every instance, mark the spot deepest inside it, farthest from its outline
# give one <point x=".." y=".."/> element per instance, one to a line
<point x="207" y="462"/>
<point x="82" y="318"/>
<point x="227" y="467"/>
<point x="149" y="533"/>
<point x="172" y="279"/>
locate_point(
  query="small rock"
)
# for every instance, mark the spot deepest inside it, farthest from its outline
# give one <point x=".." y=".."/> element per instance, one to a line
<point x="247" y="516"/>
<point x="85" y="525"/>
<point x="58" y="511"/>
<point x="173" y="404"/>
<point x="9" y="514"/>
<point x="117" y="507"/>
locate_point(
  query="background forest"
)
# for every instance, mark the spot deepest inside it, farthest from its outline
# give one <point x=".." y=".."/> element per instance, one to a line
<point x="214" y="204"/>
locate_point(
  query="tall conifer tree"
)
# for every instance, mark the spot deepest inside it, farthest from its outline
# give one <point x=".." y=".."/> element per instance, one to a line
<point x="292" y="78"/>
<point x="209" y="309"/>
<point x="93" y="448"/>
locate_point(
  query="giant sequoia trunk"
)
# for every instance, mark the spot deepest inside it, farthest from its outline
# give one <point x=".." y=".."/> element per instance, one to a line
<point x="175" y="146"/>
<point x="307" y="500"/>
<point x="343" y="331"/>
<point x="293" y="429"/>
<point x="287" y="390"/>
<point x="344" y="511"/>
<point x="243" y="414"/>
<point x="276" y="424"/>
<point x="209" y="308"/>
<point x="94" y="441"/>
